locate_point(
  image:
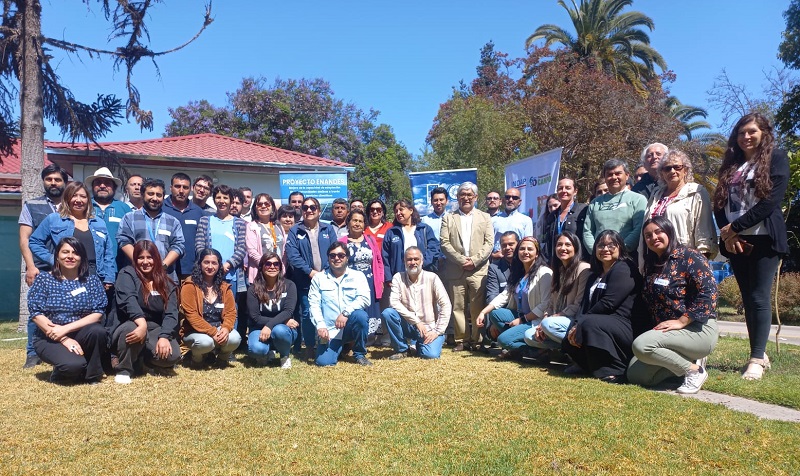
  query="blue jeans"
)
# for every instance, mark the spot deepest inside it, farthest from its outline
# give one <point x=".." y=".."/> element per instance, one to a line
<point x="511" y="338"/>
<point x="554" y="327"/>
<point x="29" y="350"/>
<point x="400" y="331"/>
<point x="355" y="331"/>
<point x="281" y="339"/>
<point x="201" y="344"/>
<point x="308" y="333"/>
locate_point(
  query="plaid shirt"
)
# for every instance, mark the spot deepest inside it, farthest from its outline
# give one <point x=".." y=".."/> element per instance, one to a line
<point x="165" y="231"/>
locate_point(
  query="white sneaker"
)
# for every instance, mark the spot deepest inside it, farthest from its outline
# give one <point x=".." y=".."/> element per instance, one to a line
<point x="122" y="379"/>
<point x="701" y="362"/>
<point x="286" y="363"/>
<point x="693" y="381"/>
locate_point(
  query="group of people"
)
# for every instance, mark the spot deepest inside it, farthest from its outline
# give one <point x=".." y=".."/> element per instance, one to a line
<point x="620" y="287"/>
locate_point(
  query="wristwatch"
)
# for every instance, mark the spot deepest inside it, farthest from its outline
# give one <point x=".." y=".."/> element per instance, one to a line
<point x="346" y="314"/>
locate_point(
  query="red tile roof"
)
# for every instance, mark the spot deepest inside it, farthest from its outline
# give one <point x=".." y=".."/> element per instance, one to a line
<point x="206" y="146"/>
<point x="13" y="163"/>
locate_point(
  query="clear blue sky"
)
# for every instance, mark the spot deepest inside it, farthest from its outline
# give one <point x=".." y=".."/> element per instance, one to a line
<point x="400" y="58"/>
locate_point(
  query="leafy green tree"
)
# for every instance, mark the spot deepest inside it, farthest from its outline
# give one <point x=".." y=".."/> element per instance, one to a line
<point x="300" y="115"/>
<point x="788" y="115"/>
<point x="608" y="39"/>
<point x="382" y="170"/>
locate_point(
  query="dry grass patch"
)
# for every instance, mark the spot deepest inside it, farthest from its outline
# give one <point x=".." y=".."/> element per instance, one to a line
<point x="464" y="414"/>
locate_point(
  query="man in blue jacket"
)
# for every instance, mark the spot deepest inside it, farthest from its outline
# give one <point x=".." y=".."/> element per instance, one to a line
<point x="306" y="254"/>
<point x="188" y="214"/>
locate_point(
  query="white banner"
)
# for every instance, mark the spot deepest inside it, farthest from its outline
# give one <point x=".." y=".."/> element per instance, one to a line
<point x="536" y="178"/>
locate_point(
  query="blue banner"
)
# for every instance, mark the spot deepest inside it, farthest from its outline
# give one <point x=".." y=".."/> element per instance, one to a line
<point x="325" y="187"/>
<point x="423" y="182"/>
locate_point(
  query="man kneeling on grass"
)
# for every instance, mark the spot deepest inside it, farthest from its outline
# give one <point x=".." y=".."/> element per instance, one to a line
<point x="337" y="298"/>
<point x="419" y="297"/>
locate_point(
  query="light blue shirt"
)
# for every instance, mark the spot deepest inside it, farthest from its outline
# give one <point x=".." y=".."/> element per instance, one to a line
<point x="516" y="221"/>
<point x="329" y="296"/>
<point x="435" y="222"/>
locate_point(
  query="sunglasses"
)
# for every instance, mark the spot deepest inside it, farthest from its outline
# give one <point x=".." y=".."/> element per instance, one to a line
<point x="376" y="210"/>
<point x="272" y="264"/>
<point x="670" y="168"/>
<point x="337" y="255"/>
<point x="311" y="208"/>
<point x="512" y="197"/>
<point x="264" y="204"/>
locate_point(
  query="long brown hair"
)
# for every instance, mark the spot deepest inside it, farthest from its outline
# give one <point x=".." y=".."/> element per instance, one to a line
<point x="158" y="276"/>
<point x="260" y="284"/>
<point x="734" y="157"/>
<point x="69" y="191"/>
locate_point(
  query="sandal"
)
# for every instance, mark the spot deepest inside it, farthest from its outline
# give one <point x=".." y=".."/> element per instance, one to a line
<point x="754" y="369"/>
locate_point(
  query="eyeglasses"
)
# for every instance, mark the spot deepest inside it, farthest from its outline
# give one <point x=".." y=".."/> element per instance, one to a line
<point x="337" y="255"/>
<point x="202" y="187"/>
<point x="272" y="264"/>
<point x="512" y="197"/>
<point x="311" y="208"/>
<point x="608" y="246"/>
<point x="670" y="168"/>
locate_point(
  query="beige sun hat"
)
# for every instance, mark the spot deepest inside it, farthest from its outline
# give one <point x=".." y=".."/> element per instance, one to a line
<point x="102" y="172"/>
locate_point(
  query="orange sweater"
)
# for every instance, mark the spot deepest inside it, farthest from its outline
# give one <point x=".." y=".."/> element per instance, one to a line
<point x="192" y="309"/>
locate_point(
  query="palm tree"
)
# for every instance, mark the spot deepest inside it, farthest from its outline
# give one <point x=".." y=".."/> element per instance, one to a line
<point x="686" y="115"/>
<point x="608" y="39"/>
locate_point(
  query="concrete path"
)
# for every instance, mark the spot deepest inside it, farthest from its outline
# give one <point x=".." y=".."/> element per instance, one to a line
<point x="767" y="411"/>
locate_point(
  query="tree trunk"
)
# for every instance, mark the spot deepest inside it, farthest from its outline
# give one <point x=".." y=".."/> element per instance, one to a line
<point x="31" y="122"/>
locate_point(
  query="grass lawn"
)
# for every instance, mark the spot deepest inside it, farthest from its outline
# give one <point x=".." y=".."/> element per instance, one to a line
<point x="463" y="414"/>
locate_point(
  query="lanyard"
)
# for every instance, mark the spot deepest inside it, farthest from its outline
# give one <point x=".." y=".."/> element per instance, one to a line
<point x="558" y="218"/>
<point x="152" y="230"/>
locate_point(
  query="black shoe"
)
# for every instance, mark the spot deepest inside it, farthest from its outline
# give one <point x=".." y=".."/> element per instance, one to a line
<point x="618" y="379"/>
<point x="363" y="361"/>
<point x="32" y="361"/>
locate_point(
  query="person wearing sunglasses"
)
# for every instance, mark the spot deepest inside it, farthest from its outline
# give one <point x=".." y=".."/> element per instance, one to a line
<point x="377" y="225"/>
<point x="511" y="219"/>
<point x="686" y="204"/>
<point x="493" y="202"/>
<point x="306" y="256"/>
<point x="337" y="297"/>
<point x="271" y="302"/>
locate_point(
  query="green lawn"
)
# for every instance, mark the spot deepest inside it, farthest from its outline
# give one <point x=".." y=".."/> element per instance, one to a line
<point x="464" y="414"/>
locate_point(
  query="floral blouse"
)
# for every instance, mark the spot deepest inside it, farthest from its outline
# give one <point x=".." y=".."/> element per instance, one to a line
<point x="685" y="286"/>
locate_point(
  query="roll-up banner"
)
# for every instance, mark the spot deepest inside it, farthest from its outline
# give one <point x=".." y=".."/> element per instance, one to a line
<point x="536" y="178"/>
<point x="423" y="182"/>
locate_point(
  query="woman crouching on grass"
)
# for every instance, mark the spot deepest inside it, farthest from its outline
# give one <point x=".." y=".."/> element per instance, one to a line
<point x="599" y="339"/>
<point x="570" y="274"/>
<point x="511" y="312"/>
<point x="681" y="291"/>
<point x="209" y="311"/>
<point x="67" y="305"/>
<point x="271" y="301"/>
<point x="147" y="307"/>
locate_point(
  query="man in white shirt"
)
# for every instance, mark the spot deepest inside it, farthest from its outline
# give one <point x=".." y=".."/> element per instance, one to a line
<point x="510" y="220"/>
<point x="420" y="310"/>
<point x="337" y="298"/>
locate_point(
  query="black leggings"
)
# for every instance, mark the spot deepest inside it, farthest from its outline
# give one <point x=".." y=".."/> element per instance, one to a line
<point x="89" y="366"/>
<point x="755" y="274"/>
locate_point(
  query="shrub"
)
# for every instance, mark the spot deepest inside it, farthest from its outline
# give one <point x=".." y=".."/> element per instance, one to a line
<point x="788" y="296"/>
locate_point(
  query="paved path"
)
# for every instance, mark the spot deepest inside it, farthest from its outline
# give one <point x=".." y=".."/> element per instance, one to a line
<point x="789" y="334"/>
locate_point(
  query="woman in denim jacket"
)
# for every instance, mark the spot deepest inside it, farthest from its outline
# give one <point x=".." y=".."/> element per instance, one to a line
<point x="75" y="217"/>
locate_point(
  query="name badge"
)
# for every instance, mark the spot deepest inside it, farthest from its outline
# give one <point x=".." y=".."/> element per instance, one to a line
<point x="114" y="219"/>
<point x="283" y="295"/>
<point x="154" y="293"/>
<point x="661" y="282"/>
<point x="101" y="234"/>
<point x="165" y="232"/>
<point x="301" y="237"/>
<point x="621" y="205"/>
<point x="380" y="235"/>
<point x="77" y="291"/>
<point x="601" y="285"/>
<point x="229" y="236"/>
<point x="190" y="222"/>
<point x="219" y="305"/>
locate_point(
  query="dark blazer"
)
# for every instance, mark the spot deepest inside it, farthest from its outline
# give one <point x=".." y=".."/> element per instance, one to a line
<point x="130" y="303"/>
<point x="298" y="251"/>
<point x="573" y="224"/>
<point x="393" y="259"/>
<point x="618" y="294"/>
<point x="767" y="209"/>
